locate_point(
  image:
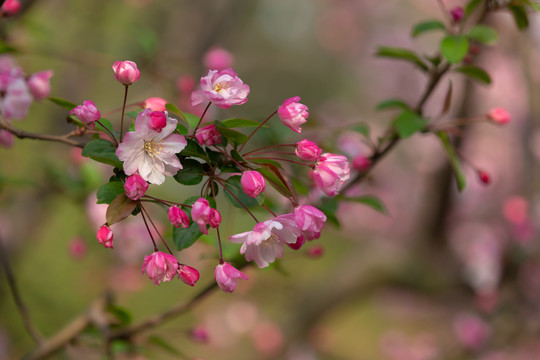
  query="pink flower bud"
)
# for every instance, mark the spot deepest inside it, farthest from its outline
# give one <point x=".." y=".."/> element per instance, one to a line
<point x="87" y="113"/>
<point x="484" y="177"/>
<point x="135" y="187"/>
<point x="154" y="103"/>
<point x="471" y="330"/>
<point x="252" y="183"/>
<point x="499" y="116"/>
<point x="39" y="84"/>
<point x="160" y="266"/>
<point x="457" y="14"/>
<point x="178" y="217"/>
<point x="105" y="236"/>
<point x="227" y="277"/>
<point x="77" y="248"/>
<point x="208" y="135"/>
<point x="361" y="163"/>
<point x="199" y="334"/>
<point x="315" y="251"/>
<point x="218" y="59"/>
<point x="307" y="150"/>
<point x="309" y="220"/>
<point x="126" y="72"/>
<point x="293" y="114"/>
<point x="157" y="121"/>
<point x="10" y="7"/>
<point x="188" y="274"/>
<point x="300" y="241"/>
<point x="203" y="214"/>
<point x="215" y="218"/>
<point x="330" y="173"/>
<point x="6" y="139"/>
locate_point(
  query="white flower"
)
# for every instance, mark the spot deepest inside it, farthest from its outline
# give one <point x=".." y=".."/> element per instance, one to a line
<point x="150" y="153"/>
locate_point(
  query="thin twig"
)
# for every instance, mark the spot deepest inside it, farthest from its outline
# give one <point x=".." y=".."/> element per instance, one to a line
<point x="21" y="134"/>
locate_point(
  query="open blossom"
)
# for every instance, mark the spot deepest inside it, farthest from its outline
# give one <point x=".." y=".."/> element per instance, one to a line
<point x="265" y="242"/>
<point x="208" y="135"/>
<point x="151" y="153"/>
<point x="39" y="84"/>
<point x="160" y="266"/>
<point x="499" y="116"/>
<point x="309" y="220"/>
<point x="154" y="103"/>
<point x="227" y="277"/>
<point x="126" y="72"/>
<point x="223" y="88"/>
<point x="135" y="187"/>
<point x="87" y="113"/>
<point x="253" y="183"/>
<point x="307" y="150"/>
<point x="218" y="59"/>
<point x="188" y="274"/>
<point x="203" y="214"/>
<point x="17" y="99"/>
<point x="178" y="217"/>
<point x="330" y="173"/>
<point x="105" y="236"/>
<point x="293" y="114"/>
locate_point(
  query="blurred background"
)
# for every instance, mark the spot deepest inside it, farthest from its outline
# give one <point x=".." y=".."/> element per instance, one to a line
<point x="443" y="275"/>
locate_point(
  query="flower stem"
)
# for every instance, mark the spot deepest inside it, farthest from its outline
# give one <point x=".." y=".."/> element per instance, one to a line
<point x="148" y="228"/>
<point x="267" y="208"/>
<point x="268" y="147"/>
<point x="123" y="111"/>
<point x="222" y="183"/>
<point x="211" y="184"/>
<point x="166" y="202"/>
<point x="111" y="135"/>
<point x="280" y="159"/>
<point x="202" y="116"/>
<point x="155" y="228"/>
<point x="257" y="128"/>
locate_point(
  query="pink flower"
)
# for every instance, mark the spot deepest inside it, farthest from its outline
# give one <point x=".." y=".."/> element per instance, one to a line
<point x="265" y="242"/>
<point x="105" y="236"/>
<point x="300" y="241"/>
<point x="484" y="177"/>
<point x="157" y="121"/>
<point x="87" y="113"/>
<point x="499" y="116"/>
<point x="10" y="7"/>
<point x="160" y="266"/>
<point x="457" y="14"/>
<point x="253" y="183"/>
<point x="154" y="103"/>
<point x="126" y="72"/>
<point x="331" y="172"/>
<point x="471" y="330"/>
<point x="315" y="251"/>
<point x="6" y="139"/>
<point x="135" y="187"/>
<point x="227" y="277"/>
<point x="39" y="84"/>
<point x="293" y="114"/>
<point x="307" y="150"/>
<point x="309" y="220"/>
<point x="77" y="248"/>
<point x="223" y="88"/>
<point x="218" y="59"/>
<point x="203" y="214"/>
<point x="151" y="153"/>
<point x="17" y="99"/>
<point x="361" y="163"/>
<point x="178" y="217"/>
<point x="188" y="274"/>
<point x="208" y="135"/>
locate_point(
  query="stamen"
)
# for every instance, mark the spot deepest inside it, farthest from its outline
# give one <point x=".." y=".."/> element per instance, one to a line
<point x="152" y="148"/>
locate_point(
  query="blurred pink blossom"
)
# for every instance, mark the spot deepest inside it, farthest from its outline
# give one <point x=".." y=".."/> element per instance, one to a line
<point x="218" y="59"/>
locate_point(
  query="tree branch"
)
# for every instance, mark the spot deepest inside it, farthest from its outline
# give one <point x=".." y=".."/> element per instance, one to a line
<point x="21" y="134"/>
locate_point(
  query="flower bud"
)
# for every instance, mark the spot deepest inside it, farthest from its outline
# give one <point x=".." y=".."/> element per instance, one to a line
<point x="6" y="139"/>
<point x="215" y="218"/>
<point x="203" y="214"/>
<point x="330" y="173"/>
<point x="471" y="330"/>
<point x="361" y="163"/>
<point x="300" y="241"/>
<point x="457" y="14"/>
<point x="160" y="266"/>
<point x="10" y="7"/>
<point x="87" y="113"/>
<point x="154" y="103"/>
<point x="188" y="274"/>
<point x="484" y="177"/>
<point x="157" y="121"/>
<point x="39" y="84"/>
<point x="199" y="334"/>
<point x="135" y="187"/>
<point x="178" y="217"/>
<point x="253" y="183"/>
<point x="307" y="150"/>
<point x="126" y="72"/>
<point x="218" y="59"/>
<point x="105" y="236"/>
<point x="208" y="135"/>
<point x="227" y="277"/>
<point x="293" y="114"/>
<point x="315" y="251"/>
<point x="499" y="116"/>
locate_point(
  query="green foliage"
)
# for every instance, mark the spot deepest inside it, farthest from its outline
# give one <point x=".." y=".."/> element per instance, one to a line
<point x="108" y="192"/>
<point x="119" y="209"/>
<point x="475" y="73"/>
<point x="107" y="125"/>
<point x="191" y="119"/>
<point x="274" y="177"/>
<point x="454" y="160"/>
<point x="235" y="187"/>
<point x="362" y="128"/>
<point x="401" y="54"/>
<point x="121" y="314"/>
<point x="232" y="123"/>
<point x="329" y="208"/>
<point x="184" y="238"/>
<point x="102" y="151"/>
<point x="454" y="48"/>
<point x="408" y="123"/>
<point x="193" y="149"/>
<point x="483" y="34"/>
<point x="191" y="174"/>
<point x="426" y="26"/>
<point x="392" y="104"/>
<point x="520" y="16"/>
<point x="62" y="102"/>
<point x="233" y="136"/>
<point x="370" y="200"/>
<point x="471" y="6"/>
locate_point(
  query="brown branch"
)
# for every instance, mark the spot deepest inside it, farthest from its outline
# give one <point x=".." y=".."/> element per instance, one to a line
<point x="21" y="134"/>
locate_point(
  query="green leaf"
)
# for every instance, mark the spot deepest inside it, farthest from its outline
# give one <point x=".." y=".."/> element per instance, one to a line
<point x="6" y="48"/>
<point x="62" y="102"/>
<point x="532" y="4"/>
<point x="362" y="128"/>
<point x="193" y="149"/>
<point x="471" y="6"/>
<point x="455" y="162"/>
<point x="181" y="129"/>
<point x="266" y="161"/>
<point x="122" y="314"/>
<point x="520" y="16"/>
<point x="370" y="200"/>
<point x="102" y="151"/>
<point x="170" y="107"/>
<point x="132" y="114"/>
<point x="427" y="26"/>
<point x="408" y="123"/>
<point x="191" y="174"/>
<point x="235" y="187"/>
<point x="392" y="104"/>
<point x="108" y="192"/>
<point x="401" y="54"/>
<point x="107" y="125"/>
<point x="454" y="48"/>
<point x="329" y="208"/>
<point x="475" y="73"/>
<point x="236" y="156"/>
<point x="271" y="172"/>
<point x="192" y="120"/>
<point x="119" y="209"/>
<point x="483" y="34"/>
<point x="184" y="238"/>
<point x="232" y="135"/>
<point x="232" y="123"/>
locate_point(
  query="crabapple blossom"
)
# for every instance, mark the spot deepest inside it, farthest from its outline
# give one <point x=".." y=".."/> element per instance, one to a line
<point x="157" y="121"/>
<point x="227" y="277"/>
<point x="135" y="187"/>
<point x="300" y="241"/>
<point x="154" y="103"/>
<point x="223" y="88"/>
<point x="457" y="14"/>
<point x="6" y="139"/>
<point x="499" y="116"/>
<point x="307" y="150"/>
<point x="188" y="274"/>
<point x="10" y="7"/>
<point x="87" y="113"/>
<point x="253" y="183"/>
<point x="361" y="163"/>
<point x="151" y="153"/>
<point x="178" y="217"/>
<point x="218" y="59"/>
<point x="330" y="173"/>
<point x="105" y="236"/>
<point x="293" y="114"/>
<point x="203" y="214"/>
<point x="39" y="84"/>
<point x="315" y="251"/>
<point x="208" y="135"/>
<point x="484" y="177"/>
<point x="17" y="99"/>
<point x="160" y="266"/>
<point x="265" y="242"/>
<point x="309" y="220"/>
<point x="471" y="330"/>
<point x="126" y="72"/>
